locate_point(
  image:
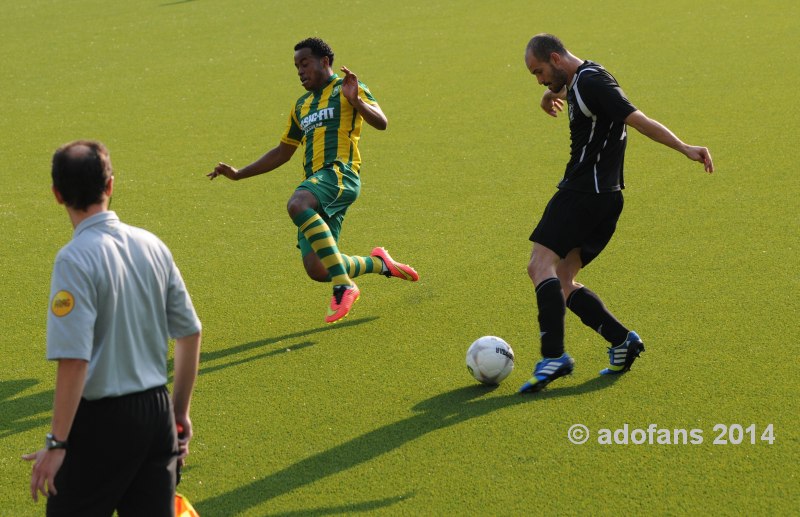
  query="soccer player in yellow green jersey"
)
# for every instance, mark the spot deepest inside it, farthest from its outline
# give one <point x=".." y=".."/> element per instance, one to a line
<point x="327" y="121"/>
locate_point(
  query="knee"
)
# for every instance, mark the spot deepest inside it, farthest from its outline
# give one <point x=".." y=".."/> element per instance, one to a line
<point x="538" y="271"/>
<point x="543" y="264"/>
<point x="299" y="202"/>
<point x="566" y="277"/>
<point x="295" y="206"/>
<point x="532" y="270"/>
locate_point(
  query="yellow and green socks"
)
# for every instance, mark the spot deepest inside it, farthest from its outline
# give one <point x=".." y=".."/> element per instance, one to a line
<point x="356" y="266"/>
<point x="316" y="231"/>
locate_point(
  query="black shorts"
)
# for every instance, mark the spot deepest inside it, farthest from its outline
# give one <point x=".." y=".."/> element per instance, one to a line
<point x="122" y="454"/>
<point x="582" y="220"/>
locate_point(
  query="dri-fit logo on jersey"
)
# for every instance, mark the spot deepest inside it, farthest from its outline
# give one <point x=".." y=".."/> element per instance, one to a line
<point x="315" y="119"/>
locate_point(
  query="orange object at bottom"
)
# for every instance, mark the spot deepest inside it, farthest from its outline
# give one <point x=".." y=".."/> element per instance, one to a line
<point x="183" y="508"/>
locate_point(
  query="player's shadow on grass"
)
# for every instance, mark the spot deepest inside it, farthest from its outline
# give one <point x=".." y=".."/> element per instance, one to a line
<point x="16" y="415"/>
<point x="366" y="506"/>
<point x="287" y="339"/>
<point x="439" y="412"/>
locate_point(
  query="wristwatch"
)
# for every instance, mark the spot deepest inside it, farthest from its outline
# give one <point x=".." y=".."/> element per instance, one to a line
<point x="50" y="442"/>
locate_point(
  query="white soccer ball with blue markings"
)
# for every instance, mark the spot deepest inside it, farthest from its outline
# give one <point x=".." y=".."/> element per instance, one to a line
<point x="490" y="360"/>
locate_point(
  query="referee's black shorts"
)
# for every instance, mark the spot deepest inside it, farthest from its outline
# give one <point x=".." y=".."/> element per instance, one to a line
<point x="121" y="455"/>
<point x="582" y="220"/>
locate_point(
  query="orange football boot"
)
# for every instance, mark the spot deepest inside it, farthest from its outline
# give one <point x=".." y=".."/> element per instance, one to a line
<point x="395" y="269"/>
<point x="344" y="296"/>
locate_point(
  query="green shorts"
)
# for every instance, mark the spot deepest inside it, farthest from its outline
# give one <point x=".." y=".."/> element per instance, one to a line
<point x="336" y="188"/>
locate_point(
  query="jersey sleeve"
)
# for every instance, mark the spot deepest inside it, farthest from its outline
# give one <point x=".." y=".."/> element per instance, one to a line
<point x="182" y="319"/>
<point x="293" y="134"/>
<point x="72" y="313"/>
<point x="365" y="94"/>
<point x="604" y="96"/>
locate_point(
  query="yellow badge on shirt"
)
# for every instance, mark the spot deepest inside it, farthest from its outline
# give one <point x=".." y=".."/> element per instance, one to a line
<point x="63" y="302"/>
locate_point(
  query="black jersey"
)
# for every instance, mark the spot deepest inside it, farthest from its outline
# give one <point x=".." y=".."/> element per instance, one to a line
<point x="597" y="110"/>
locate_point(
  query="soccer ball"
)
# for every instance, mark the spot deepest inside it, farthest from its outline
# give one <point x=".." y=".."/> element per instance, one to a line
<point x="490" y="360"/>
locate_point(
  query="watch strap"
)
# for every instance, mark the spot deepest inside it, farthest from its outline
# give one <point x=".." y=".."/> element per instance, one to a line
<point x="50" y="442"/>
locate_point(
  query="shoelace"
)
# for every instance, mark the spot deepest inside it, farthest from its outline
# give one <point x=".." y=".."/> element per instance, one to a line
<point x="338" y="293"/>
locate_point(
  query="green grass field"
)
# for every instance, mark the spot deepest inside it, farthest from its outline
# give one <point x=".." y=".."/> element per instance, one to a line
<point x="378" y="415"/>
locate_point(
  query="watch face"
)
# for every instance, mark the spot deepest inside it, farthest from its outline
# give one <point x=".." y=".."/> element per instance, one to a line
<point x="50" y="442"/>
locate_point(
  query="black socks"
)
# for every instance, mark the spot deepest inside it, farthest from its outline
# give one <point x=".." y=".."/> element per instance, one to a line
<point x="552" y="309"/>
<point x="593" y="313"/>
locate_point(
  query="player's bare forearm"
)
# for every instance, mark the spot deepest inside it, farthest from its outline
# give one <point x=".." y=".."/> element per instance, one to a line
<point x="658" y="132"/>
<point x="271" y="160"/>
<point x="372" y="113"/>
<point x="654" y="130"/>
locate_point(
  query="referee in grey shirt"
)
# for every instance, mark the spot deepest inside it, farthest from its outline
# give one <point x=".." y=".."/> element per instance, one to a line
<point x="116" y="298"/>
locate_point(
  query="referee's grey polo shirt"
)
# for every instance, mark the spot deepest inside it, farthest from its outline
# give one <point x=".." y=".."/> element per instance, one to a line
<point x="116" y="297"/>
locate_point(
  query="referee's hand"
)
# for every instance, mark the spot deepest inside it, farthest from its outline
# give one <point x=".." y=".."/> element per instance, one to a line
<point x="185" y="433"/>
<point x="46" y="464"/>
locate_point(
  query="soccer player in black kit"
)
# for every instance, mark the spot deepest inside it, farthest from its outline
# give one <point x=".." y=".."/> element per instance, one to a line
<point x="581" y="217"/>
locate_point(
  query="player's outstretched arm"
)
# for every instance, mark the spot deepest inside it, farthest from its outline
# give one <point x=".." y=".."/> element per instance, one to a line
<point x="272" y="159"/>
<point x="660" y="133"/>
<point x="372" y="113"/>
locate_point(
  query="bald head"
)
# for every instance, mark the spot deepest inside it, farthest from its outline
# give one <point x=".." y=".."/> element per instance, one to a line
<point x="81" y="171"/>
<point x="78" y="150"/>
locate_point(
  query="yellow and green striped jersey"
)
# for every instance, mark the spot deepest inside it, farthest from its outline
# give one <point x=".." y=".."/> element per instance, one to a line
<point x="328" y="126"/>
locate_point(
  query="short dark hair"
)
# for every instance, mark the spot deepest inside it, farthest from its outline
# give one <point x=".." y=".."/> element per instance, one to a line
<point x="318" y="48"/>
<point x="542" y="45"/>
<point x="81" y="170"/>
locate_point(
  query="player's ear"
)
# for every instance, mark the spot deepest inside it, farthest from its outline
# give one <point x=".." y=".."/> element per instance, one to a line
<point x="109" y="186"/>
<point x="57" y="194"/>
<point x="555" y="58"/>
